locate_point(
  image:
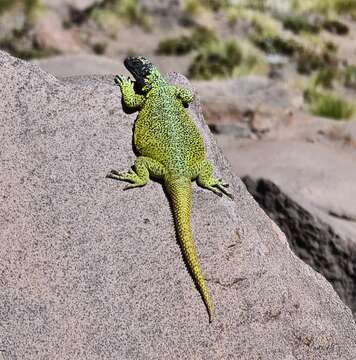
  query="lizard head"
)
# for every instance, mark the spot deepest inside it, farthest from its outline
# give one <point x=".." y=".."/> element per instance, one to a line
<point x="145" y="73"/>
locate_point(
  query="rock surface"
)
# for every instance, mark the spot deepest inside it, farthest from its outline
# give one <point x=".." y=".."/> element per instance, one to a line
<point x="91" y="272"/>
<point x="85" y="64"/>
<point x="49" y="34"/>
<point x="309" y="189"/>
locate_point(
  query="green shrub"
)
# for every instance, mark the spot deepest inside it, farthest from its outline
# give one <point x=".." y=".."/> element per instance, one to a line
<point x="276" y="45"/>
<point x="191" y="7"/>
<point x="181" y="45"/>
<point x="309" y="60"/>
<point x="5" y="5"/>
<point x="130" y="10"/>
<point x="216" y="60"/>
<point x="336" y="27"/>
<point x="202" y="36"/>
<point x="325" y="77"/>
<point x="99" y="48"/>
<point x="299" y="23"/>
<point x="343" y="6"/>
<point x="328" y="105"/>
<point x="175" y="46"/>
<point x="28" y="5"/>
<point x="109" y="10"/>
<point x="259" y="5"/>
<point x="350" y="76"/>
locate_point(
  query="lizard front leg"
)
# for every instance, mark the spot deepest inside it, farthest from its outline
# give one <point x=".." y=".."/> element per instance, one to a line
<point x="144" y="168"/>
<point x="203" y="173"/>
<point x="130" y="99"/>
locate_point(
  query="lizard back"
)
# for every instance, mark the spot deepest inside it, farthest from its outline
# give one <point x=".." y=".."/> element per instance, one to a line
<point x="165" y="132"/>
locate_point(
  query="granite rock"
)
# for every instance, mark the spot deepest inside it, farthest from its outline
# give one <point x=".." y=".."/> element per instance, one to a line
<point x="91" y="272"/>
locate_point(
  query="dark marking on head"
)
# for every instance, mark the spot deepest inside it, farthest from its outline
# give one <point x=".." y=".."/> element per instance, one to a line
<point x="140" y="67"/>
<point x="147" y="75"/>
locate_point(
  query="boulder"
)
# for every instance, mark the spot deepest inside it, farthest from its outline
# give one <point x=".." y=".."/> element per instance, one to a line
<point x="49" y="34"/>
<point x="230" y="100"/>
<point x="86" y="64"/>
<point x="82" y="5"/>
<point x="89" y="271"/>
<point x="309" y="189"/>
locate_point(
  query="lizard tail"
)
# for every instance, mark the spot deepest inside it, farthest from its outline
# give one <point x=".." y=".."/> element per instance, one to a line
<point x="180" y="194"/>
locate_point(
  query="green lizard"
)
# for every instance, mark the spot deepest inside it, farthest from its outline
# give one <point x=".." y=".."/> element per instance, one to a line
<point x="170" y="149"/>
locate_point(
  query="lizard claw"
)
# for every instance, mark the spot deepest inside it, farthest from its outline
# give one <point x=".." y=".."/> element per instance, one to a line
<point x="120" y="80"/>
<point x="113" y="174"/>
<point x="222" y="183"/>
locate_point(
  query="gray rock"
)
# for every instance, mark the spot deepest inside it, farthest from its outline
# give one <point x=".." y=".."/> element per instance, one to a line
<point x="312" y="239"/>
<point x="229" y="100"/>
<point x="89" y="271"/>
<point x="79" y="64"/>
<point x="86" y="64"/>
<point x="49" y="34"/>
<point x="309" y="189"/>
<point x="82" y="5"/>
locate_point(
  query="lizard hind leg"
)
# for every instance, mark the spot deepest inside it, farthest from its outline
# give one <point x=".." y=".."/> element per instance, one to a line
<point x="140" y="174"/>
<point x="205" y="179"/>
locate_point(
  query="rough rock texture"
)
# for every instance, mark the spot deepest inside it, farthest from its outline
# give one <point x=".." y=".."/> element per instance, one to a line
<point x="309" y="189"/>
<point x="229" y="100"/>
<point x="313" y="240"/>
<point x="91" y="272"/>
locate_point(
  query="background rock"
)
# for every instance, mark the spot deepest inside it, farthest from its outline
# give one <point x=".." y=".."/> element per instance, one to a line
<point x="49" y="34"/>
<point x="312" y="239"/>
<point x="89" y="271"/>
<point x="302" y="187"/>
<point x="85" y="64"/>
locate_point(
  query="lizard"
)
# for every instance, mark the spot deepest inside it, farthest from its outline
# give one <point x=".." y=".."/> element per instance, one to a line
<point x="170" y="149"/>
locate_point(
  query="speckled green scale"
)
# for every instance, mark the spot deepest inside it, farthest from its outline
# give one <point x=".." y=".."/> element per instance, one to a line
<point x="170" y="148"/>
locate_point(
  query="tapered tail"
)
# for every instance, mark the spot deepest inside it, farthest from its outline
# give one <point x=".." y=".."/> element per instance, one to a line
<point x="180" y="193"/>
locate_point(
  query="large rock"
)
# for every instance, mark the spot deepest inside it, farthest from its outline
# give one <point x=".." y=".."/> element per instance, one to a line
<point x="230" y="100"/>
<point x="309" y="189"/>
<point x="89" y="271"/>
<point x="49" y="34"/>
<point x="86" y="64"/>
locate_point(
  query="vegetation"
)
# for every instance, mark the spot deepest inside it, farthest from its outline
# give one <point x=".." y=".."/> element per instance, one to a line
<point x="343" y="6"/>
<point x="216" y="60"/>
<point x="336" y="27"/>
<point x="326" y="7"/>
<point x="276" y="45"/>
<point x="108" y="13"/>
<point x="28" y="5"/>
<point x="310" y="60"/>
<point x="350" y="76"/>
<point x="299" y="23"/>
<point x="192" y="7"/>
<point x="25" y="53"/>
<point x="326" y="77"/>
<point x="181" y="45"/>
<point x="328" y="105"/>
<point x="263" y="24"/>
<point x="99" y="48"/>
<point x="5" y="5"/>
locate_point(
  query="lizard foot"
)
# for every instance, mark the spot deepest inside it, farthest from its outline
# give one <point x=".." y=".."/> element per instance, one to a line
<point x="206" y="180"/>
<point x="120" y="80"/>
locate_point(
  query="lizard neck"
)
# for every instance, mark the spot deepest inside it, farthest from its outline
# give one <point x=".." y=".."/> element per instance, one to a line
<point x="154" y="80"/>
